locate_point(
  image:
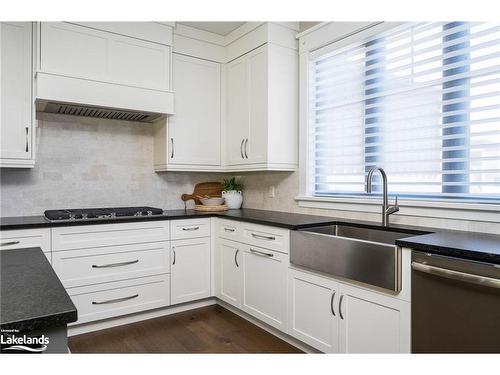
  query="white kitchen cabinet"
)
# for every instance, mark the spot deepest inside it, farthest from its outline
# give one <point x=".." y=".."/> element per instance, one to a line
<point x="190" y="270"/>
<point x="16" y="99"/>
<point x="372" y="323"/>
<point x="83" y="52"/>
<point x="23" y="238"/>
<point x="312" y="308"/>
<point x="332" y="316"/>
<point x="262" y="97"/>
<point x="264" y="285"/>
<point x="229" y="271"/>
<point x="193" y="136"/>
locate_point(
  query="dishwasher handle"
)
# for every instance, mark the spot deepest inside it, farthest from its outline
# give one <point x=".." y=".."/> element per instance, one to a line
<point x="456" y="275"/>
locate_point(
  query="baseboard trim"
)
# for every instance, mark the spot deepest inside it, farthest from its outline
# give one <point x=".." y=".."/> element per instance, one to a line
<point x="137" y="317"/>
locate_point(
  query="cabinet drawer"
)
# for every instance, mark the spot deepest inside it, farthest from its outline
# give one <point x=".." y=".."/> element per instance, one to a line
<point x="229" y="229"/>
<point x="87" y="236"/>
<point x="190" y="228"/>
<point x="119" y="298"/>
<point x="268" y="237"/>
<point x="103" y="264"/>
<point x="22" y="238"/>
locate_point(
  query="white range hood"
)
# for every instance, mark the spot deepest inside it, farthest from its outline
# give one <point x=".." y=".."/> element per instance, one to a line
<point x="85" y="71"/>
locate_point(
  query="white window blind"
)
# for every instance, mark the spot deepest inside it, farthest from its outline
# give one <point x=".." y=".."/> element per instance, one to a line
<point x="421" y="101"/>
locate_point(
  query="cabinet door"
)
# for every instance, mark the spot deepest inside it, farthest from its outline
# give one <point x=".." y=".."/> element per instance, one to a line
<point x="237" y="110"/>
<point x="264" y="285"/>
<point x="194" y="130"/>
<point x="255" y="148"/>
<point x="229" y="271"/>
<point x="83" y="52"/>
<point x="373" y="323"/>
<point x="190" y="270"/>
<point x="312" y="308"/>
<point x="15" y="86"/>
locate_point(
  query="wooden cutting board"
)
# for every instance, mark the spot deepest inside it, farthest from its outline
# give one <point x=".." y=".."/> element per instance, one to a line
<point x="212" y="189"/>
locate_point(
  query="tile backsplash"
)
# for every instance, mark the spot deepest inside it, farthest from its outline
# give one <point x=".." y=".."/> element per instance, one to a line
<point x="85" y="162"/>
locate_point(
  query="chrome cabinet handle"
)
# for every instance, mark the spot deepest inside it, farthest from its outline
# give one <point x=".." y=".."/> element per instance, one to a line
<point x="331" y="303"/>
<point x="340" y="307"/>
<point x="110" y="265"/>
<point x="229" y="229"/>
<point x="270" y="238"/>
<point x="173" y="250"/>
<point x="9" y="243"/>
<point x="172" y="151"/>
<point x="27" y="139"/>
<point x="115" y="300"/>
<point x="236" y="257"/>
<point x="192" y="228"/>
<point x="456" y="275"/>
<point x="246" y="147"/>
<point x="241" y="148"/>
<point x="261" y="253"/>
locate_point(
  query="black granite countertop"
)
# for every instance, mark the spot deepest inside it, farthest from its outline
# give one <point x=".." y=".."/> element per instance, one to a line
<point x="31" y="295"/>
<point x="481" y="247"/>
<point x="279" y="219"/>
<point x="469" y="245"/>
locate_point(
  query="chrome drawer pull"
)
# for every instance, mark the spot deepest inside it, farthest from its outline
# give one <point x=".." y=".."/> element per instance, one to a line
<point x="229" y="229"/>
<point x="340" y="307"/>
<point x="193" y="228"/>
<point x="270" y="238"/>
<point x="115" y="264"/>
<point x="456" y="275"/>
<point x="236" y="257"/>
<point x="261" y="253"/>
<point x="241" y="148"/>
<point x="9" y="243"/>
<point x="331" y="302"/>
<point x="246" y="147"/>
<point x="115" y="300"/>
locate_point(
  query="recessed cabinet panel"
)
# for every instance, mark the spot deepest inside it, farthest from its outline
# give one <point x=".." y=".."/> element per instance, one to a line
<point x="82" y="52"/>
<point x="313" y="315"/>
<point x="230" y="271"/>
<point x="264" y="285"/>
<point x="190" y="270"/>
<point x="15" y="97"/>
<point x="194" y="130"/>
<point x="237" y="110"/>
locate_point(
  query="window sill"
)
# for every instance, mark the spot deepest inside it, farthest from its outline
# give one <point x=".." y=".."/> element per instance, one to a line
<point x="458" y="210"/>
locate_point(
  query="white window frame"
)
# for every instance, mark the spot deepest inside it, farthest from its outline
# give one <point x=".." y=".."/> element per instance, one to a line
<point x="328" y="36"/>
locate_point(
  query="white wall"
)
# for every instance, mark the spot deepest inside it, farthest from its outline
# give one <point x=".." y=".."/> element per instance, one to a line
<point x="85" y="162"/>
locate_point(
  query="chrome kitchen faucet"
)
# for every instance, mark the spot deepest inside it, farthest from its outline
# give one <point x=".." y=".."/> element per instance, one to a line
<point x="386" y="209"/>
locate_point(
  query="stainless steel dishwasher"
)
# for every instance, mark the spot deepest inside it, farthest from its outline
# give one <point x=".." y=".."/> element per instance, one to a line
<point x="455" y="305"/>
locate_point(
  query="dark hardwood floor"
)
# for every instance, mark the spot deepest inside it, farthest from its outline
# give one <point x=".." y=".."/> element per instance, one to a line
<point x="211" y="329"/>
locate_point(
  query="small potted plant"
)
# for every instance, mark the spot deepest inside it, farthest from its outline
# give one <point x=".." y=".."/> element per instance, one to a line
<point x="231" y="191"/>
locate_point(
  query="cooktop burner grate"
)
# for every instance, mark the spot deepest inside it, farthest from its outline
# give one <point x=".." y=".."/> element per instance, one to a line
<point x="92" y="213"/>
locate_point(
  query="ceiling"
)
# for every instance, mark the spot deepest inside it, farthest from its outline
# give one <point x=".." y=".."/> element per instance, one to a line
<point x="221" y="28"/>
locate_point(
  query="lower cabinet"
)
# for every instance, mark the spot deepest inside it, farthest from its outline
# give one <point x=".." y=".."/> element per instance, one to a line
<point x="334" y="317"/>
<point x="190" y="269"/>
<point x="313" y="315"/>
<point x="228" y="272"/>
<point x="264" y="285"/>
<point x="22" y="238"/>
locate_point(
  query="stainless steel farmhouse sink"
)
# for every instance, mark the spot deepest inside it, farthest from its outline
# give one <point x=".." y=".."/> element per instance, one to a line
<point x="362" y="254"/>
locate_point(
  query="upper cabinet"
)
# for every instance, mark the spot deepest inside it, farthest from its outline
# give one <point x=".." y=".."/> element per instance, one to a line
<point x="191" y="140"/>
<point x="236" y="110"/>
<point x="261" y="119"/>
<point x="16" y="99"/>
<point x="105" y="67"/>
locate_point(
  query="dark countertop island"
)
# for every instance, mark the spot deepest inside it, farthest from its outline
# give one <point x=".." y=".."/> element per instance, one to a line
<point x="31" y="295"/>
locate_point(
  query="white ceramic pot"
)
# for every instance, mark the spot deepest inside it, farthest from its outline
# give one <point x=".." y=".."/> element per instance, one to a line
<point x="233" y="199"/>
